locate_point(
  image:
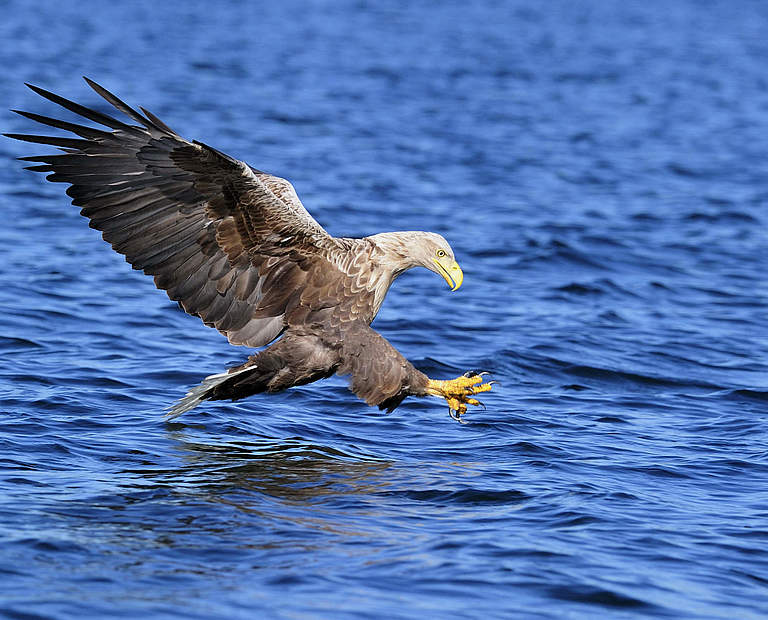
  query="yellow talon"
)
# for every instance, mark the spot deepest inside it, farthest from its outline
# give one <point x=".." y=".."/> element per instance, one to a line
<point x="458" y="392"/>
<point x="483" y="387"/>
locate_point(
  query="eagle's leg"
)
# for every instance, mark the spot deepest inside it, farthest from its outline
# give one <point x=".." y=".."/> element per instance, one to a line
<point x="459" y="392"/>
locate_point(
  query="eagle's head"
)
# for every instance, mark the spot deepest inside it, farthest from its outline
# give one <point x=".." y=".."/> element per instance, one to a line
<point x="412" y="248"/>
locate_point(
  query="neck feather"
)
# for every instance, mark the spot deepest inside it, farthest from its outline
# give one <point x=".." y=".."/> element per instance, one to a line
<point x="396" y="250"/>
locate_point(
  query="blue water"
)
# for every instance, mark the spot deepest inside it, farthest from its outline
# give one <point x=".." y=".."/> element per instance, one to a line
<point x="600" y="170"/>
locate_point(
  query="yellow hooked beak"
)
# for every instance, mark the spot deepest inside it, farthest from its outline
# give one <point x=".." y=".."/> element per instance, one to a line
<point x="451" y="271"/>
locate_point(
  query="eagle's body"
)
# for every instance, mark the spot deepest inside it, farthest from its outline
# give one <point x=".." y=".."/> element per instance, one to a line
<point x="235" y="247"/>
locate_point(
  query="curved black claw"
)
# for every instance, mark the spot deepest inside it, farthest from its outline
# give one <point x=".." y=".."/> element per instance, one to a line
<point x="455" y="415"/>
<point x="476" y="373"/>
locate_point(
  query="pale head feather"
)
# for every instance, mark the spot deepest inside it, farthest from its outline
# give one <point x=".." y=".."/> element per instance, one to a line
<point x="411" y="248"/>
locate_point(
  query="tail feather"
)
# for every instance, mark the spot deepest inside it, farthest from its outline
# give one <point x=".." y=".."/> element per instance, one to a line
<point x="200" y="392"/>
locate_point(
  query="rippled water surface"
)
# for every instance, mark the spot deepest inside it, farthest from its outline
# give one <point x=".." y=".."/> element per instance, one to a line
<point x="600" y="169"/>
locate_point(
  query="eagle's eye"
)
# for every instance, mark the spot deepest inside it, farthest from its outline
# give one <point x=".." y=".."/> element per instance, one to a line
<point x="440" y="253"/>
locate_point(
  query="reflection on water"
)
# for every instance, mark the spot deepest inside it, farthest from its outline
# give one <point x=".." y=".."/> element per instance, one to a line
<point x="291" y="470"/>
<point x="277" y="499"/>
<point x="312" y="485"/>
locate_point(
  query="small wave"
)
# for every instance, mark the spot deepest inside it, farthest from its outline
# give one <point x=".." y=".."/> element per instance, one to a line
<point x="51" y="546"/>
<point x="660" y="471"/>
<point x="556" y="251"/>
<point x="462" y="497"/>
<point x="721" y="217"/>
<point x="291" y="119"/>
<point x="575" y="387"/>
<point x="611" y="420"/>
<point x="684" y="171"/>
<point x="527" y="447"/>
<point x="578" y="288"/>
<point x="598" y="596"/>
<point x="571" y="518"/>
<point x="602" y="286"/>
<point x="761" y="395"/>
<point x="594" y="372"/>
<point x="611" y="316"/>
<point x="12" y="345"/>
<point x="554" y="366"/>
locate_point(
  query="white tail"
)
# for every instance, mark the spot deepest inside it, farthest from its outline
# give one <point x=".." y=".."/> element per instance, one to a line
<point x="198" y="393"/>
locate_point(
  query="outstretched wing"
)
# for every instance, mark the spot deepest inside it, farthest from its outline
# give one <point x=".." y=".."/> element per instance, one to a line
<point x="230" y="243"/>
<point x="380" y="374"/>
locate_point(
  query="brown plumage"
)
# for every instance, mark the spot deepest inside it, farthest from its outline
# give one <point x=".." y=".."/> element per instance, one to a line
<point x="235" y="247"/>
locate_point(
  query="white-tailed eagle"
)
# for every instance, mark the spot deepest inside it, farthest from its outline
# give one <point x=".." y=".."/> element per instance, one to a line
<point x="235" y="247"/>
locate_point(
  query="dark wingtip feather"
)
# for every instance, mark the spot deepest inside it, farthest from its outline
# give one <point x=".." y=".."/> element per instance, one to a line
<point x="94" y="85"/>
<point x="80" y="130"/>
<point x="160" y="124"/>
<point x="40" y="91"/>
<point x="72" y="143"/>
<point x="150" y="122"/>
<point x="35" y="158"/>
<point x="72" y="106"/>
